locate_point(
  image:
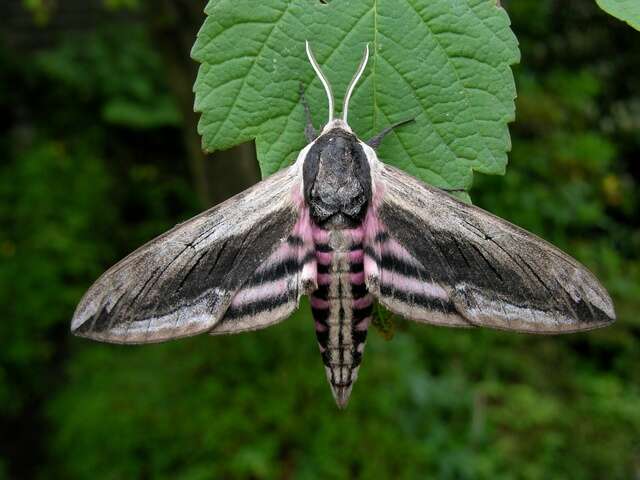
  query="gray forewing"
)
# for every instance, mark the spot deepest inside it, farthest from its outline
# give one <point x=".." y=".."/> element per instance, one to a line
<point x="182" y="282"/>
<point x="495" y="274"/>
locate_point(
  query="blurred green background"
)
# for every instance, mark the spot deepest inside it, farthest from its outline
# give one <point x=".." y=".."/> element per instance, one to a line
<point x="100" y="154"/>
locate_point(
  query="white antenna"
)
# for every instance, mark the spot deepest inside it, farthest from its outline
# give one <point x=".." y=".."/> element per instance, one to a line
<point x="323" y="79"/>
<point x="354" y="80"/>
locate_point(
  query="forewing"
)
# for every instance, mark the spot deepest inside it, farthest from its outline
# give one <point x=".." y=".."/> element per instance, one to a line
<point x="442" y="261"/>
<point x="183" y="282"/>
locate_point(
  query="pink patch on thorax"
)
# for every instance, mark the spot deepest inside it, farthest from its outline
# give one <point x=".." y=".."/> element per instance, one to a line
<point x="320" y="235"/>
<point x="303" y="226"/>
<point x="371" y="227"/>
<point x="356" y="235"/>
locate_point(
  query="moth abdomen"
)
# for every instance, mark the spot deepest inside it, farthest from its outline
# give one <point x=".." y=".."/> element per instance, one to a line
<point x="341" y="306"/>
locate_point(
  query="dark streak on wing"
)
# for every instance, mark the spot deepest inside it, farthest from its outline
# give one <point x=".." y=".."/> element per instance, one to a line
<point x="433" y="304"/>
<point x="262" y="305"/>
<point x="395" y="264"/>
<point x="195" y="265"/>
<point x="275" y="272"/>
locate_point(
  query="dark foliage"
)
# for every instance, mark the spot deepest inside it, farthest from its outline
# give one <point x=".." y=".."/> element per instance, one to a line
<point x="94" y="165"/>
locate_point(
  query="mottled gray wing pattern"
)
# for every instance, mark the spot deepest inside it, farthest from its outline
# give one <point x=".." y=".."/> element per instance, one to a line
<point x="479" y="270"/>
<point x="183" y="282"/>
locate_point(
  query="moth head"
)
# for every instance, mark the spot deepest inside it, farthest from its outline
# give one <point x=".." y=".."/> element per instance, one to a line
<point x="337" y="122"/>
<point x="336" y="173"/>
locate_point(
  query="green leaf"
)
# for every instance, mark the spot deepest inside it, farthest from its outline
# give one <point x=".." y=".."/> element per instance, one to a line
<point x="446" y="63"/>
<point x="626" y="10"/>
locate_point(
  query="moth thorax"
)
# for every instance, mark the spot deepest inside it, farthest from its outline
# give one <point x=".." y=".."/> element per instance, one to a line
<point x="337" y="180"/>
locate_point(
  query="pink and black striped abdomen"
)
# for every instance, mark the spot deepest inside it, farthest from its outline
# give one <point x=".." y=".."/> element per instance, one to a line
<point x="341" y="306"/>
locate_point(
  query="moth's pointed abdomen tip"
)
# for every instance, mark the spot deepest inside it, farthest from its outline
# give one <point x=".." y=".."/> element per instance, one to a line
<point x="341" y="394"/>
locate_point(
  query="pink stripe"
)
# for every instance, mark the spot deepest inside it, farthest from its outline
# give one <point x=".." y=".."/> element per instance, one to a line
<point x="310" y="273"/>
<point x="356" y="256"/>
<point x="356" y="278"/>
<point x="259" y="292"/>
<point x="414" y="285"/>
<point x="284" y="252"/>
<point x="400" y="252"/>
<point x="371" y="224"/>
<point x="324" y="278"/>
<point x="319" y="235"/>
<point x="356" y="234"/>
<point x="303" y="226"/>
<point x="324" y="258"/>
<point x="319" y="303"/>
<point x="363" y="302"/>
<point x="370" y="267"/>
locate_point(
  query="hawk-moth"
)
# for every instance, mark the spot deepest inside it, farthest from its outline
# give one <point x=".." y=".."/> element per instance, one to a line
<point x="346" y="229"/>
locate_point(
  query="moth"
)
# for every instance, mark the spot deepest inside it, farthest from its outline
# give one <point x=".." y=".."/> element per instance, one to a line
<point x="345" y="229"/>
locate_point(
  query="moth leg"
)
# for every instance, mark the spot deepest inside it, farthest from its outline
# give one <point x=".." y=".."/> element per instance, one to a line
<point x="375" y="141"/>
<point x="309" y="131"/>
